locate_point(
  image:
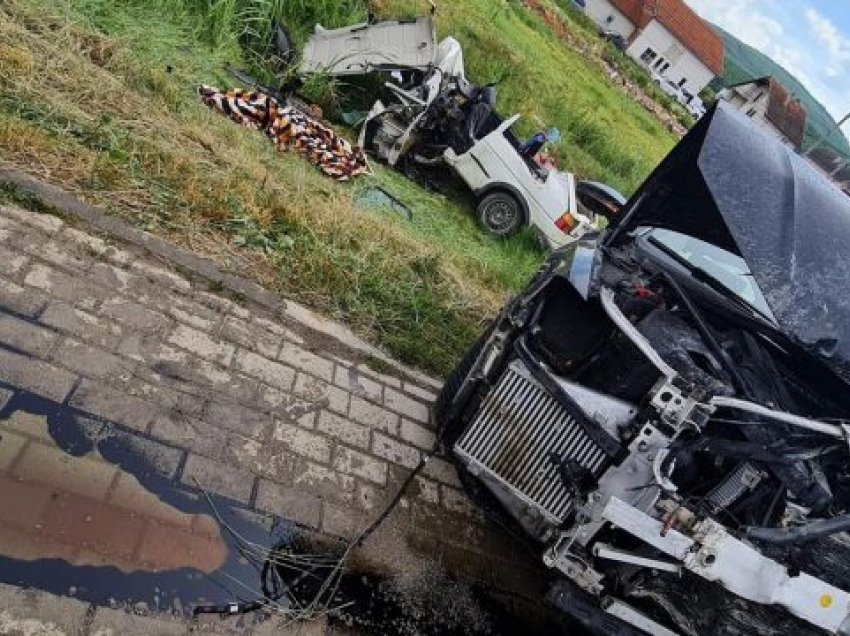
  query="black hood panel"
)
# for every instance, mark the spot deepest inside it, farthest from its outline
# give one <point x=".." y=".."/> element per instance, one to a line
<point x="732" y="184"/>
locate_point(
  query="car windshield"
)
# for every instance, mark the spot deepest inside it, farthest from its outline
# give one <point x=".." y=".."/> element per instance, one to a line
<point x="728" y="269"/>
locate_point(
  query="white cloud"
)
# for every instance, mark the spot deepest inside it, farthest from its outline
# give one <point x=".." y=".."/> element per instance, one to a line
<point x="797" y="36"/>
<point x="837" y="45"/>
<point x="747" y="19"/>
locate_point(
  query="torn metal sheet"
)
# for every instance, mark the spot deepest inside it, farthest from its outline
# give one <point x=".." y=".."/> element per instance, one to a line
<point x="436" y="117"/>
<point x="362" y="48"/>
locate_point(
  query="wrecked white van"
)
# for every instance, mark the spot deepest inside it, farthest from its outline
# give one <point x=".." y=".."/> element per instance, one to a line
<point x="437" y="117"/>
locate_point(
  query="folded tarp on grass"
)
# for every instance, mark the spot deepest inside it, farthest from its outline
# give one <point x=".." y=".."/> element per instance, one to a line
<point x="289" y="128"/>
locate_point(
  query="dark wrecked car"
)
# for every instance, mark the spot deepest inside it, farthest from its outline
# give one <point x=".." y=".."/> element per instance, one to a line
<point x="665" y="410"/>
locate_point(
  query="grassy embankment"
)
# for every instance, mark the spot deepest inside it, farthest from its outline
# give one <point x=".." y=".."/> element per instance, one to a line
<point x="99" y="96"/>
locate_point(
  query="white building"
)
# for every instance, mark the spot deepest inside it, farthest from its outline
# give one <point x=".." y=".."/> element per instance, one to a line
<point x="769" y="104"/>
<point x="665" y="36"/>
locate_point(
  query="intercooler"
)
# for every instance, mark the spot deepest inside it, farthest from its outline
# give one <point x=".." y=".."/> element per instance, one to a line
<point x="515" y="436"/>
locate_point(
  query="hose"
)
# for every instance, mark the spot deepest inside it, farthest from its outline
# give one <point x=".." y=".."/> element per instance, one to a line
<point x="606" y="296"/>
<point x="813" y="530"/>
<point x="707" y="335"/>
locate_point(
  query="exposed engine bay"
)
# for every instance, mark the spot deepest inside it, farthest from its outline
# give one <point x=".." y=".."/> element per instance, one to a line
<point x="591" y="445"/>
<point x="681" y="460"/>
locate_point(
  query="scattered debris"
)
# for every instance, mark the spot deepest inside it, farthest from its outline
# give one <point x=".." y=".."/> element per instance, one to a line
<point x="289" y="127"/>
<point x="377" y="198"/>
<point x="293" y="583"/>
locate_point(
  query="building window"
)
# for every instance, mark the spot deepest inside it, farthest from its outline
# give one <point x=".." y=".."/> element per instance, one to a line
<point x="751" y="112"/>
<point x="609" y="20"/>
<point x="682" y="82"/>
<point x="648" y="55"/>
<point x="658" y="62"/>
<point x="665" y="67"/>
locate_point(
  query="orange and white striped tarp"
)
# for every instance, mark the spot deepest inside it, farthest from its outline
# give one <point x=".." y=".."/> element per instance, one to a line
<point x="288" y="128"/>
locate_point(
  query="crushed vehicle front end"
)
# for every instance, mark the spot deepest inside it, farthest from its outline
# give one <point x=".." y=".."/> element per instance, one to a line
<point x="664" y="410"/>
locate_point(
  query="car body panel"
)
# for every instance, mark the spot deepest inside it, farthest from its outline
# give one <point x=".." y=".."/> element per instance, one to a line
<point x="788" y="222"/>
<point x="599" y="199"/>
<point x="493" y="160"/>
<point x="689" y="432"/>
<point x="365" y="47"/>
<point x="491" y="163"/>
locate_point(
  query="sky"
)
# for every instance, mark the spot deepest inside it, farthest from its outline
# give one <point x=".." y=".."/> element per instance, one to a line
<point x="810" y="38"/>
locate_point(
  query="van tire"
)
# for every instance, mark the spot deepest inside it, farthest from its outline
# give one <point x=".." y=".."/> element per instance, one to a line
<point x="500" y="213"/>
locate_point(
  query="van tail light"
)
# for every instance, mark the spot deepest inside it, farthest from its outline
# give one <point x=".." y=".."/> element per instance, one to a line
<point x="566" y="223"/>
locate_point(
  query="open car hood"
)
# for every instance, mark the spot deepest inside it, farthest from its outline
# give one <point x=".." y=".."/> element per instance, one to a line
<point x="731" y="184"/>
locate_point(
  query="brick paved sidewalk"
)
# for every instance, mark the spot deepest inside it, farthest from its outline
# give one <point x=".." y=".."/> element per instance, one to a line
<point x="255" y="406"/>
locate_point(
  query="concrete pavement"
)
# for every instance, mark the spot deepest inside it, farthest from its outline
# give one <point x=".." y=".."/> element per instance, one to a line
<point x="263" y="404"/>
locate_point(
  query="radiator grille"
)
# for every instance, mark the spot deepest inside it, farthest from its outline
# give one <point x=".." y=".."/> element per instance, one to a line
<point x="513" y="435"/>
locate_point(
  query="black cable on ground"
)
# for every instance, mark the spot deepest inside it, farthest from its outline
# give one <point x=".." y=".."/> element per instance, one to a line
<point x="399" y="494"/>
<point x="247" y="608"/>
<point x="708" y="336"/>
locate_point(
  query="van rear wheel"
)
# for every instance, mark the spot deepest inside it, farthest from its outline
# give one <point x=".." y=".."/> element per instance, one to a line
<point x="500" y="213"/>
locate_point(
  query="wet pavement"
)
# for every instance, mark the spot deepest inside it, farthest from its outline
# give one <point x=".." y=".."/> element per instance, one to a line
<point x="93" y="513"/>
<point x="90" y="512"/>
<point x="167" y="448"/>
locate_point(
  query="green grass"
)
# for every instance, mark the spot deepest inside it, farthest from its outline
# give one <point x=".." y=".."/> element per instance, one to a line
<point x="606" y="135"/>
<point x="98" y="96"/>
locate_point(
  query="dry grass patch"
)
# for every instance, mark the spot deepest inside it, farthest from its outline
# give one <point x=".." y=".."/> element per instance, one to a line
<point x="93" y="112"/>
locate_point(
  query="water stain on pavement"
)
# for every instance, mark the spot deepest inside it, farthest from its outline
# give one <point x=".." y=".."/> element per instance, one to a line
<point x="89" y="512"/>
<point x="92" y="510"/>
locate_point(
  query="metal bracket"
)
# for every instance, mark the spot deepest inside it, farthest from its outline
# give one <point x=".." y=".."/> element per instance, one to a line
<point x="631" y="616"/>
<point x="715" y="555"/>
<point x="605" y="551"/>
<point x="558" y="556"/>
<point x="633" y="478"/>
<point x="657" y="472"/>
<point x="678" y="410"/>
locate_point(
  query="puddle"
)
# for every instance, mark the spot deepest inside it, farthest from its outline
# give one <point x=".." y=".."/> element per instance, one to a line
<point x="88" y="512"/>
<point x="93" y="511"/>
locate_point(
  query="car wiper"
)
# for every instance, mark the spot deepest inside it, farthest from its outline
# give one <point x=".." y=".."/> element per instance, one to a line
<point x="702" y="276"/>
